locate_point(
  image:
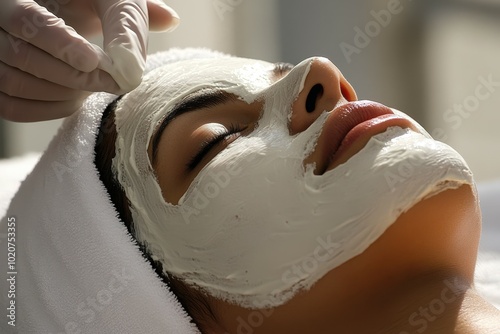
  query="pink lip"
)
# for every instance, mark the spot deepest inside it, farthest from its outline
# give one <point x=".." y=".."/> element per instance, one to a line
<point x="355" y="122"/>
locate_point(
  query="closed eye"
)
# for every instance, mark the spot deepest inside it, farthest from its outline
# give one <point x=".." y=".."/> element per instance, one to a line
<point x="217" y="138"/>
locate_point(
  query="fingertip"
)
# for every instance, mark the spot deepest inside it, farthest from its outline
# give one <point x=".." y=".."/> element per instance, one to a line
<point x="124" y="66"/>
<point x="174" y="23"/>
<point x="163" y="6"/>
<point x="109" y="85"/>
<point x="162" y="18"/>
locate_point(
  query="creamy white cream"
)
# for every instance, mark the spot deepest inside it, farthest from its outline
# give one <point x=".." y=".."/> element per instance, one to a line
<point x="254" y="227"/>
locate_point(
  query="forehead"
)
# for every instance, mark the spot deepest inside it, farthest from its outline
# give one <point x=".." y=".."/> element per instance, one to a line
<point x="240" y="76"/>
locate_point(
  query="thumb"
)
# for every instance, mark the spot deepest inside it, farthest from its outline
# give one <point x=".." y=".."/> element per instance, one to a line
<point x="125" y="31"/>
<point x="161" y="16"/>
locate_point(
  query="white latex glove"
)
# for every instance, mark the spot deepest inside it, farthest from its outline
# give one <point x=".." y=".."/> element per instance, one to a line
<point x="47" y="68"/>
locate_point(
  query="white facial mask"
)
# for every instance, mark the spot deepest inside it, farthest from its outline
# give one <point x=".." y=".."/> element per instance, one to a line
<point x="254" y="227"/>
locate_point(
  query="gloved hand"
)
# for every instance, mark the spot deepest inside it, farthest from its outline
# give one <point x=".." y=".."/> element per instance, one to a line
<point x="47" y="68"/>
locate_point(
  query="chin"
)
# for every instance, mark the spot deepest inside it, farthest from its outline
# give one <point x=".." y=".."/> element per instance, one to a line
<point x="440" y="231"/>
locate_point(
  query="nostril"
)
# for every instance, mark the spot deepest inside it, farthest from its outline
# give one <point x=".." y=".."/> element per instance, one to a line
<point x="314" y="94"/>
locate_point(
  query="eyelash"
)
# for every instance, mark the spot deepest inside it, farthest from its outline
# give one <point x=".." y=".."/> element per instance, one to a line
<point x="283" y="68"/>
<point x="211" y="142"/>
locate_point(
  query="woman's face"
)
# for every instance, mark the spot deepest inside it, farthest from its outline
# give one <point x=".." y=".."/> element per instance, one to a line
<point x="217" y="118"/>
<point x="259" y="179"/>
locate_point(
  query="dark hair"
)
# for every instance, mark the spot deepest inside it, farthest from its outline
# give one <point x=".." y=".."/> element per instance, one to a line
<point x="194" y="302"/>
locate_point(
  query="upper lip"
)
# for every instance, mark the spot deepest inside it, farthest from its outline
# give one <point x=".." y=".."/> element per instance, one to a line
<point x="345" y="117"/>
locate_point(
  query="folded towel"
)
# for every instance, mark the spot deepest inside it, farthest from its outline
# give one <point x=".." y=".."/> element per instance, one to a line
<point x="76" y="268"/>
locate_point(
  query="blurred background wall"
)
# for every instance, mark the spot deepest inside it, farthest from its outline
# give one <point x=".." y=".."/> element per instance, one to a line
<point x="437" y="60"/>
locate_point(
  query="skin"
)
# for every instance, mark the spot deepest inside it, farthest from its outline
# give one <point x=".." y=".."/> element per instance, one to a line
<point x="401" y="283"/>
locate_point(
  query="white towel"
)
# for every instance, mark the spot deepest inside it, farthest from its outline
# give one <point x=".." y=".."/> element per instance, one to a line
<point x="77" y="270"/>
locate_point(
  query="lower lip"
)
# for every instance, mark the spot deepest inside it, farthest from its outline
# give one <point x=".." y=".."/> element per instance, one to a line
<point x="359" y="136"/>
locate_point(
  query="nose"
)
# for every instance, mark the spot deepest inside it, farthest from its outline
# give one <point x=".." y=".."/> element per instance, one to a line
<point x="324" y="88"/>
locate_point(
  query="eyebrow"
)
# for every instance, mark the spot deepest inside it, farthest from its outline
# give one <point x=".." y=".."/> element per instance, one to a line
<point x="202" y="100"/>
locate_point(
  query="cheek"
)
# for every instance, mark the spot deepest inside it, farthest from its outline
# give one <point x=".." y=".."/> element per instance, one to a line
<point x="221" y="175"/>
<point x="166" y="172"/>
<point x="252" y="182"/>
<point x="264" y="171"/>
